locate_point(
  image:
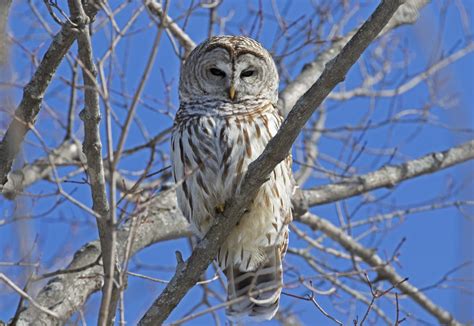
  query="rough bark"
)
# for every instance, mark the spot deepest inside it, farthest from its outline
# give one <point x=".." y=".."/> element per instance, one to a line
<point x="69" y="290"/>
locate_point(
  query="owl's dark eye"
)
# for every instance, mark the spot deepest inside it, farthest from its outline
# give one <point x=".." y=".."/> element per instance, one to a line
<point x="217" y="72"/>
<point x="247" y="73"/>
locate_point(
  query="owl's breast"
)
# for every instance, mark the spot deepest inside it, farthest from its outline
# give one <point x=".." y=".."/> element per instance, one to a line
<point x="210" y="156"/>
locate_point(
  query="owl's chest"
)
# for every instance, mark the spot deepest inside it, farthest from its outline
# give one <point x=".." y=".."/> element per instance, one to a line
<point x="222" y="141"/>
<point x="210" y="156"/>
<point x="219" y="149"/>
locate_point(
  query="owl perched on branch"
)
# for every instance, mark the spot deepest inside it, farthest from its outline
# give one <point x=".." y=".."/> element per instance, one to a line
<point x="228" y="91"/>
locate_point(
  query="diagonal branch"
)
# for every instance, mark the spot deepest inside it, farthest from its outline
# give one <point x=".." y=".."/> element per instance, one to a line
<point x="33" y="93"/>
<point x="258" y="171"/>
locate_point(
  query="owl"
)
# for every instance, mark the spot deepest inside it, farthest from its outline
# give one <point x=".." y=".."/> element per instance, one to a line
<point x="228" y="91"/>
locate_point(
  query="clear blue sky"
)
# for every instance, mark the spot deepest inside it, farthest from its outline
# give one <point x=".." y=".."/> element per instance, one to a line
<point x="437" y="241"/>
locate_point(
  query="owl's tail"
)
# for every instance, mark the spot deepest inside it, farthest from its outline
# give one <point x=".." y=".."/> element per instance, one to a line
<point x="255" y="294"/>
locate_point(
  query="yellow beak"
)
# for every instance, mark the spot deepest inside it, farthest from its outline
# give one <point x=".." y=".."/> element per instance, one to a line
<point x="231" y="92"/>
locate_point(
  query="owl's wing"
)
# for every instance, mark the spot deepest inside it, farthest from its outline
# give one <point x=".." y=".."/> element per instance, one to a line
<point x="178" y="166"/>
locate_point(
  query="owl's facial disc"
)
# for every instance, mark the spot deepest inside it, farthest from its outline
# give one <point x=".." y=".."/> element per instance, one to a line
<point x="229" y="72"/>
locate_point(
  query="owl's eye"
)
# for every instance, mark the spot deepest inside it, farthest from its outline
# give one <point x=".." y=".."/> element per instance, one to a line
<point x="247" y="73"/>
<point x="217" y="72"/>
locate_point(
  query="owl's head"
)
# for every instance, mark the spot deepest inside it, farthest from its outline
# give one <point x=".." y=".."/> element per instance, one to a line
<point x="230" y="69"/>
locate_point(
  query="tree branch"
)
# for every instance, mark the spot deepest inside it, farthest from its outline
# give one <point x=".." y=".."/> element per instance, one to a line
<point x="161" y="221"/>
<point x="33" y="93"/>
<point x="18" y="180"/>
<point x="92" y="148"/>
<point x="258" y="171"/>
<point x="406" y="14"/>
<point x="384" y="270"/>
<point x="389" y="176"/>
<point x="25" y="295"/>
<point x="186" y="42"/>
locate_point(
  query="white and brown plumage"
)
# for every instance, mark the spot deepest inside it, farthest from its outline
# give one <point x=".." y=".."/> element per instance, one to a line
<point x="227" y="115"/>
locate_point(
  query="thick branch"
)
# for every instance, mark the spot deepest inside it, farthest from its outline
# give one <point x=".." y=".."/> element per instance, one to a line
<point x="18" y="180"/>
<point x="33" y="93"/>
<point x="68" y="153"/>
<point x="389" y="176"/>
<point x="68" y="291"/>
<point x="276" y="150"/>
<point x="384" y="270"/>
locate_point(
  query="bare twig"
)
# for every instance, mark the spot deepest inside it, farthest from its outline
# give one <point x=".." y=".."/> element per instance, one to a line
<point x="312" y="298"/>
<point x="377" y="294"/>
<point x="406" y="14"/>
<point x="136" y="96"/>
<point x="384" y="270"/>
<point x="186" y="42"/>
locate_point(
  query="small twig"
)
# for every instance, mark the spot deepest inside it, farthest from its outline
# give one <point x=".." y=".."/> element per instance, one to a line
<point x="50" y="4"/>
<point x="311" y="297"/>
<point x="159" y="280"/>
<point x="376" y="294"/>
<point x="398" y="321"/>
<point x="25" y="295"/>
<point x="156" y="9"/>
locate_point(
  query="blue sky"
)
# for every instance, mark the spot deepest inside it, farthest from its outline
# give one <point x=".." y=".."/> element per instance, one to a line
<point x="436" y="241"/>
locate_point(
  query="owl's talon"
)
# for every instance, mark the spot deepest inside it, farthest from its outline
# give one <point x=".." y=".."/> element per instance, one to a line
<point x="220" y="208"/>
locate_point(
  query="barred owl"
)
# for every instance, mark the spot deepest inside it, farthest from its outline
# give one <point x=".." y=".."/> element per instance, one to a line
<point x="228" y="91"/>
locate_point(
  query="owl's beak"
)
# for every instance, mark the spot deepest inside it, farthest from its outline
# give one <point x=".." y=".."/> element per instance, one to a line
<point x="232" y="92"/>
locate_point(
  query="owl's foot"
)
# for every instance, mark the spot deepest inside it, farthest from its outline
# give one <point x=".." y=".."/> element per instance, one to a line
<point x="220" y="208"/>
